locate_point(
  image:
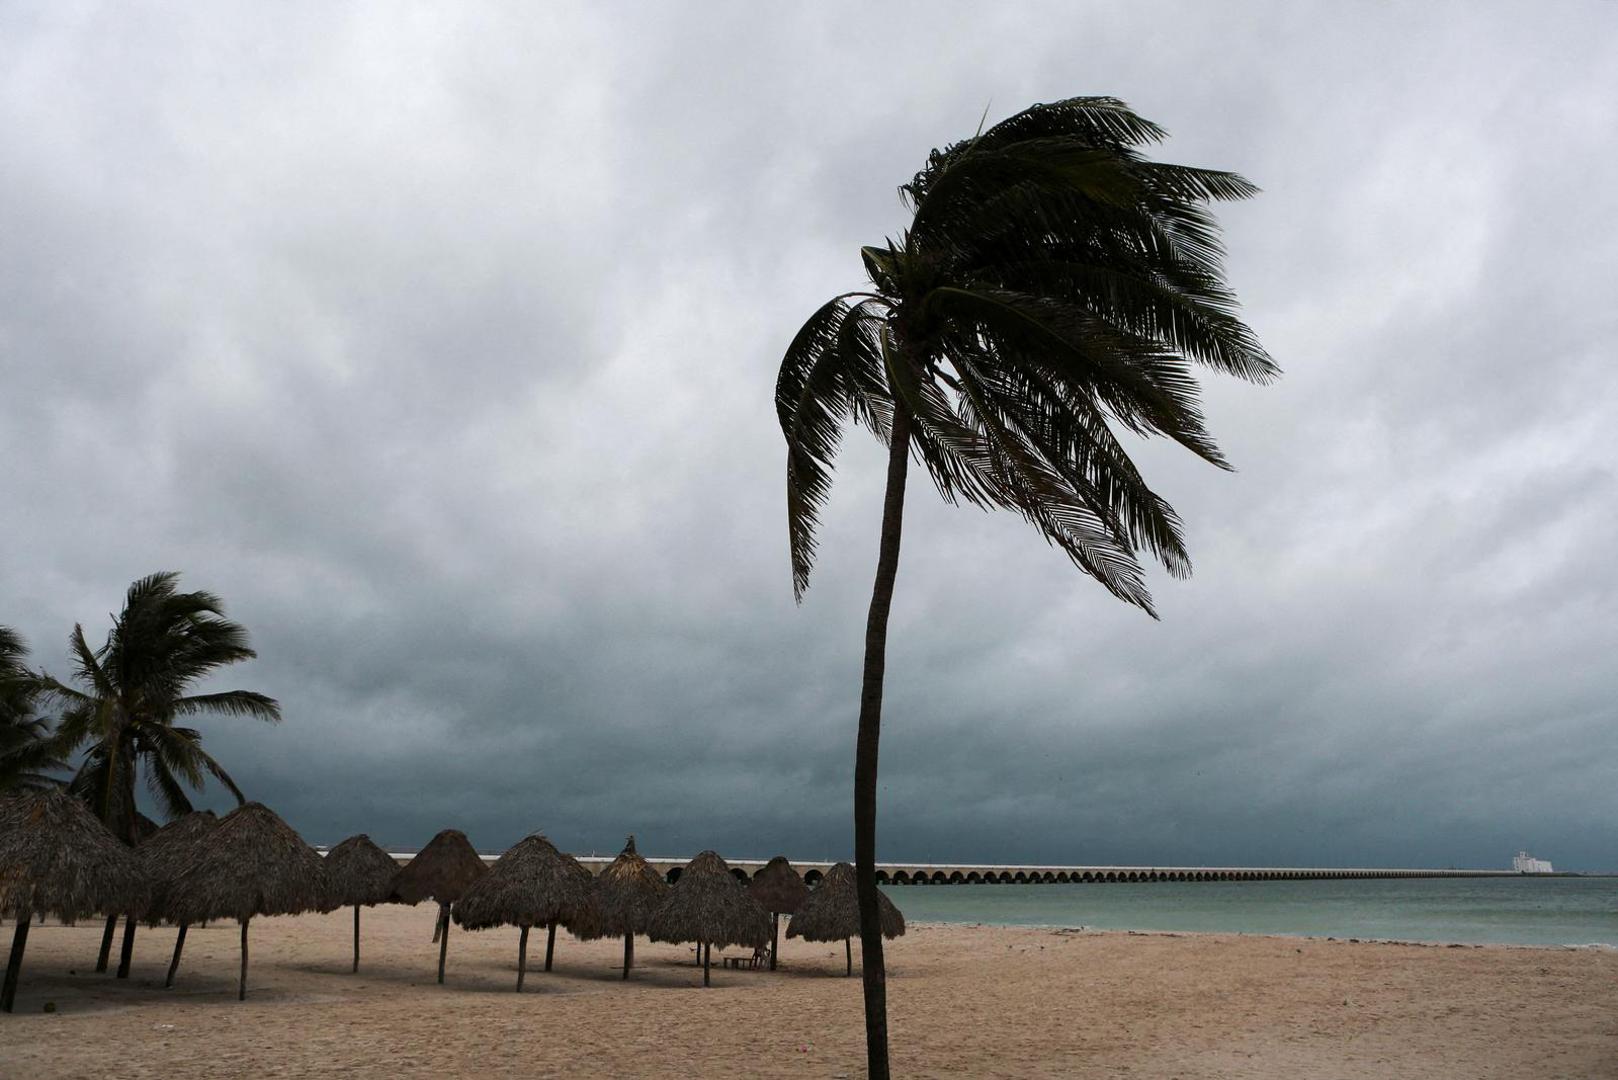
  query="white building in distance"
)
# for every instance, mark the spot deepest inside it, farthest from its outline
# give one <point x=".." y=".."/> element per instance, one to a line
<point x="1525" y="863"/>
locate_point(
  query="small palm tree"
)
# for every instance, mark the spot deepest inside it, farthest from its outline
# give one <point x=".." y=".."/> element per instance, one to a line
<point x="131" y="691"/>
<point x="1053" y="287"/>
<point x="29" y="751"/>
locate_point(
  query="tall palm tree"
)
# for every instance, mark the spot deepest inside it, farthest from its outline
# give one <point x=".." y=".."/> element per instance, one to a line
<point x="1053" y="287"/>
<point x="29" y="751"/>
<point x="134" y="688"/>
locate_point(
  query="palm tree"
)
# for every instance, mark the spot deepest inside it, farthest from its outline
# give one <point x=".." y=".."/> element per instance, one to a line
<point x="1053" y="286"/>
<point x="28" y="749"/>
<point x="134" y="688"/>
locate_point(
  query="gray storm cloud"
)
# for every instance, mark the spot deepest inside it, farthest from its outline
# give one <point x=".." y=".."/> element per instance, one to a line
<point x="442" y="346"/>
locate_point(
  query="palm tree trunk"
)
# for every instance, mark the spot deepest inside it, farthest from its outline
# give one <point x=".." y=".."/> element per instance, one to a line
<point x="443" y="940"/>
<point x="174" y="964"/>
<point x="629" y="953"/>
<point x="241" y="989"/>
<point x="19" y="941"/>
<point x="106" y="943"/>
<point x="356" y="937"/>
<point x="127" y="952"/>
<point x="865" y="753"/>
<point x="522" y="957"/>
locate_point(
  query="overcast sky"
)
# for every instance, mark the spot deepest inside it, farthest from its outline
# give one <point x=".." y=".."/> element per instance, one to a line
<point x="441" y="344"/>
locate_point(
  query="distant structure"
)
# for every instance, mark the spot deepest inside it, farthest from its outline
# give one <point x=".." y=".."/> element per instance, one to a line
<point x="1525" y="863"/>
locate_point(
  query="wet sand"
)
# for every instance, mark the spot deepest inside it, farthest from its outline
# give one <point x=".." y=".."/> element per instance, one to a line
<point x="971" y="1001"/>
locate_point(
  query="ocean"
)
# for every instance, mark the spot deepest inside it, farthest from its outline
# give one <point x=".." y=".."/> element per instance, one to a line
<point x="1505" y="910"/>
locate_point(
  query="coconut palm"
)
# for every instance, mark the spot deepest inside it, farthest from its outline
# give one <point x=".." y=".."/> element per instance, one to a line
<point x="29" y="751"/>
<point x="131" y="691"/>
<point x="1053" y="289"/>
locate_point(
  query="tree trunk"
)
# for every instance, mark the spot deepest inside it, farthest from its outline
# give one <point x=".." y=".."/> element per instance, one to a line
<point x="443" y="940"/>
<point x="19" y="941"/>
<point x="522" y="957"/>
<point x="629" y="953"/>
<point x="775" y="936"/>
<point x="174" y="964"/>
<point x="356" y="937"/>
<point x="550" y="942"/>
<point x="865" y="753"/>
<point x="106" y="943"/>
<point x="241" y="990"/>
<point x="707" y="958"/>
<point x="127" y="952"/>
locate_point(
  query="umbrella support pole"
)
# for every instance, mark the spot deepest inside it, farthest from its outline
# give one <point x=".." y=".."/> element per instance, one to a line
<point x="522" y="957"/>
<point x="356" y="937"/>
<point x="127" y="952"/>
<point x="106" y="943"/>
<point x="19" y="941"/>
<point x="550" y="942"/>
<point x="775" y="936"/>
<point x="443" y="941"/>
<point x="241" y="989"/>
<point x="707" y="958"/>
<point x="438" y="923"/>
<point x="848" y="954"/>
<point x="629" y="953"/>
<point x="174" y="964"/>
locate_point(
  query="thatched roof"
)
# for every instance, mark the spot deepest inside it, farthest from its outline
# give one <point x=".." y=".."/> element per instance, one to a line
<point x="627" y="893"/>
<point x="832" y="911"/>
<point x="168" y="851"/>
<point x="708" y="904"/>
<point x="252" y="863"/>
<point x="530" y="885"/>
<point x="56" y="857"/>
<point x="778" y="887"/>
<point x="442" y="870"/>
<point x="359" y="872"/>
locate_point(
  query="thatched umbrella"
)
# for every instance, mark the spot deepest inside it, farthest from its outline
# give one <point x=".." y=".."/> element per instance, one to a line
<point x="832" y="912"/>
<point x="166" y="854"/>
<point x="57" y="857"/>
<point x="359" y="872"/>
<point x="251" y="863"/>
<point x="627" y="893"/>
<point x="532" y="884"/>
<point x="710" y="907"/>
<point x="443" y="871"/>
<point x="141" y="829"/>
<point x="779" y="889"/>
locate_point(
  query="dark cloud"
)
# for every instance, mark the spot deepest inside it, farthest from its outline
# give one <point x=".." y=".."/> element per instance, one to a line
<point x="442" y="347"/>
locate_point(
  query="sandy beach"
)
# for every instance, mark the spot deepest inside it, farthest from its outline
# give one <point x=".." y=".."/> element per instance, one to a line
<point x="975" y="1001"/>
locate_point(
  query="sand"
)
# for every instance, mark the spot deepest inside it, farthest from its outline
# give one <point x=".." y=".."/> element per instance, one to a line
<point x="965" y="1001"/>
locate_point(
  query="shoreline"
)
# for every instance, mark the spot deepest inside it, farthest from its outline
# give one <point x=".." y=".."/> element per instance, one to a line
<point x="1064" y="928"/>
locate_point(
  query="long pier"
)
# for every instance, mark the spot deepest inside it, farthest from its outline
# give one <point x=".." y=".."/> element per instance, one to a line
<point x="913" y="873"/>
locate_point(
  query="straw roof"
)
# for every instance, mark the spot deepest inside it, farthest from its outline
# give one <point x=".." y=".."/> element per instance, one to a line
<point x="251" y="863"/>
<point x="442" y="870"/>
<point x="708" y="904"/>
<point x="530" y="885"/>
<point x="778" y="887"/>
<point x="168" y="851"/>
<point x="627" y="893"/>
<point x="56" y="857"/>
<point x="359" y="872"/>
<point x="832" y="911"/>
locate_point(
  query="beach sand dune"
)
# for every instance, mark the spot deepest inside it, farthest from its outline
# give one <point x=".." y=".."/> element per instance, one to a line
<point x="965" y="1001"/>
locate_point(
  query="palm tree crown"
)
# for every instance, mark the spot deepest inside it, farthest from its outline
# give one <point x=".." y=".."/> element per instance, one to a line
<point x="28" y="750"/>
<point x="136" y="685"/>
<point x="1052" y="284"/>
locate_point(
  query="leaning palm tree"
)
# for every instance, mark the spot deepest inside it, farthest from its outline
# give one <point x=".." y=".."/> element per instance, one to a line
<point x="29" y="751"/>
<point x="1052" y="288"/>
<point x="131" y="691"/>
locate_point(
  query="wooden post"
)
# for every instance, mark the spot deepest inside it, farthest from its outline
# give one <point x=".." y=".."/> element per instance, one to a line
<point x="443" y="941"/>
<point x="106" y="943"/>
<point x="356" y="937"/>
<point x="629" y="953"/>
<point x="775" y="936"/>
<point x="241" y="991"/>
<point x="707" y="957"/>
<point x="438" y="923"/>
<point x="848" y="954"/>
<point x="127" y="953"/>
<point x="550" y="942"/>
<point x="19" y="941"/>
<point x="522" y="957"/>
<point x="174" y="964"/>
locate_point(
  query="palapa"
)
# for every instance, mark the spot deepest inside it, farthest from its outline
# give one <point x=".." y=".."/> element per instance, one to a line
<point x="710" y="907"/>
<point x="56" y="857"/>
<point x="441" y="871"/>
<point x="779" y="889"/>
<point x="358" y="872"/>
<point x="166" y="854"/>
<point x="251" y="863"/>
<point x="832" y="913"/>
<point x="532" y="884"/>
<point x="627" y="894"/>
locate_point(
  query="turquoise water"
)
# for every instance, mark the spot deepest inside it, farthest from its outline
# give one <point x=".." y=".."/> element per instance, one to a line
<point x="1508" y="910"/>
